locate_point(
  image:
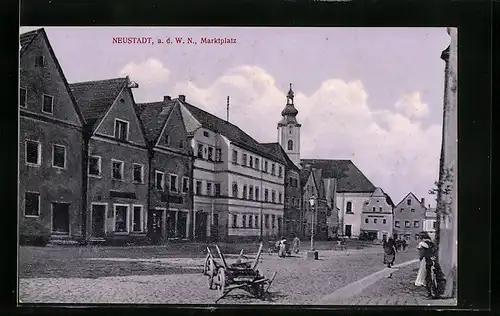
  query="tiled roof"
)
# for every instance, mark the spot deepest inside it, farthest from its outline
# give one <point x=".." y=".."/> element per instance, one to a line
<point x="95" y="97"/>
<point x="154" y="116"/>
<point x="276" y="150"/>
<point x="232" y="132"/>
<point x="353" y="180"/>
<point x="406" y="196"/>
<point x="25" y="39"/>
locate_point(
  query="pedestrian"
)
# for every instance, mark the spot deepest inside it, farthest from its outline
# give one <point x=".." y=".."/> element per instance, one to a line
<point x="428" y="252"/>
<point x="405" y="244"/>
<point x="296" y="244"/>
<point x="389" y="252"/>
<point x="421" y="275"/>
<point x="282" y="247"/>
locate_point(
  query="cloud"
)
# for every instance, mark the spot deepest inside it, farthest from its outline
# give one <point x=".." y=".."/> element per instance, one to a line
<point x="411" y="105"/>
<point x="392" y="150"/>
<point x="149" y="72"/>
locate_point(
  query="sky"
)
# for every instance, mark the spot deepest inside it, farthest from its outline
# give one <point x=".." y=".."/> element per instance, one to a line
<point x="371" y="95"/>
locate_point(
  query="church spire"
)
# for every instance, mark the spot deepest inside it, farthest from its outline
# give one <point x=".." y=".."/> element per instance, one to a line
<point x="290" y="95"/>
<point x="289" y="110"/>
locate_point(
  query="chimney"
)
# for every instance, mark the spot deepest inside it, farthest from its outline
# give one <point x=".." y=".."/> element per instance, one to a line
<point x="182" y="97"/>
<point x="423" y="202"/>
<point x="167" y="98"/>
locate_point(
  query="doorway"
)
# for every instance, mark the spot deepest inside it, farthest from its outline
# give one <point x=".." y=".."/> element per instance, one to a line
<point x="181" y="224"/>
<point x="348" y="230"/>
<point x="154" y="225"/>
<point x="98" y="218"/>
<point x="170" y="224"/>
<point x="60" y="218"/>
<point x="201" y="226"/>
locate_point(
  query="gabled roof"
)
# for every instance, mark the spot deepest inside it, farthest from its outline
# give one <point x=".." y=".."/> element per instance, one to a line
<point x="154" y="116"/>
<point x="96" y="97"/>
<point x="26" y="39"/>
<point x="408" y="195"/>
<point x="353" y="180"/>
<point x="232" y="132"/>
<point x="276" y="150"/>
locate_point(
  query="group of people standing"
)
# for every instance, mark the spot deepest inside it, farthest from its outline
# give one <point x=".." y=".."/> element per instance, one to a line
<point x="283" y="249"/>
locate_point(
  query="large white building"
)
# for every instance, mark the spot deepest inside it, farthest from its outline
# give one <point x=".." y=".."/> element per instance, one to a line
<point x="238" y="183"/>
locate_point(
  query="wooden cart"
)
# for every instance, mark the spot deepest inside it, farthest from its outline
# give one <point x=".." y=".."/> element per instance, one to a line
<point x="240" y="275"/>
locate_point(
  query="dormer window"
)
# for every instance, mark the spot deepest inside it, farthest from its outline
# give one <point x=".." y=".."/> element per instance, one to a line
<point x="121" y="129"/>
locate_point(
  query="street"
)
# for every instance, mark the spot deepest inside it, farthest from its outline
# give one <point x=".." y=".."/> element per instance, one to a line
<point x="150" y="275"/>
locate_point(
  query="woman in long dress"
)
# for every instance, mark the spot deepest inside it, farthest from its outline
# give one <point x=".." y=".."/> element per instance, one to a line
<point x="422" y="245"/>
<point x="389" y="252"/>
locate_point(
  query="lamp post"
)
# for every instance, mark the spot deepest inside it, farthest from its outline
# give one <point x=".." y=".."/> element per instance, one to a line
<point x="312" y="202"/>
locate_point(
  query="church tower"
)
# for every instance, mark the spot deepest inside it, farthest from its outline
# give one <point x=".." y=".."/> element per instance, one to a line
<point x="289" y="130"/>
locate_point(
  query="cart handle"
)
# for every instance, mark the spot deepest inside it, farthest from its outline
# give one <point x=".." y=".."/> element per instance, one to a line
<point x="256" y="261"/>
<point x="222" y="257"/>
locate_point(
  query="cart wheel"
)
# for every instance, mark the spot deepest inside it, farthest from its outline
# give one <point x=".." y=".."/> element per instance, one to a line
<point x="206" y="265"/>
<point x="210" y="273"/>
<point x="221" y="281"/>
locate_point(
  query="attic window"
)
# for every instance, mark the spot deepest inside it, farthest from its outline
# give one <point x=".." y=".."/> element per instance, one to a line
<point x="39" y="61"/>
<point x="408" y="202"/>
<point x="205" y="133"/>
<point x="122" y="100"/>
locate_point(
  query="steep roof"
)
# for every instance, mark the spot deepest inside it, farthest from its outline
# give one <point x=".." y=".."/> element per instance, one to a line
<point x="277" y="150"/>
<point x="408" y="195"/>
<point x="95" y="97"/>
<point x="25" y="39"/>
<point x="232" y="132"/>
<point x="153" y="116"/>
<point x="353" y="180"/>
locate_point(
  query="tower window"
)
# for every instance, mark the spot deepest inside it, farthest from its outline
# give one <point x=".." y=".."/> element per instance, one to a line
<point x="290" y="129"/>
<point x="290" y="145"/>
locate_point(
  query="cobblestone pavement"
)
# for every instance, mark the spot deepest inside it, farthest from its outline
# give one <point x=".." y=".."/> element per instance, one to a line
<point x="399" y="289"/>
<point x="298" y="281"/>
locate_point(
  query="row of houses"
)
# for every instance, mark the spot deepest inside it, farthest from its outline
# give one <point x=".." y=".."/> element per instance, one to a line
<point x="95" y="165"/>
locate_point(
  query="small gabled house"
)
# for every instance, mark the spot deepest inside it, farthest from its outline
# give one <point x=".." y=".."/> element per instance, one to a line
<point x="409" y="216"/>
<point x="170" y="210"/>
<point x="376" y="217"/>
<point x="115" y="162"/>
<point x="50" y="146"/>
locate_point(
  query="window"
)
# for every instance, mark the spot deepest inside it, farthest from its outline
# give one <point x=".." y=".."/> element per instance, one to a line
<point x="58" y="156"/>
<point x="374" y="221"/>
<point x="287" y="201"/>
<point x="200" y="151"/>
<point x="380" y="209"/>
<point x="217" y="189"/>
<point x="401" y="209"/>
<point x="31" y="204"/>
<point x="434" y="224"/>
<point x="250" y="221"/>
<point x="121" y="130"/>
<point x="244" y="221"/>
<point x="280" y="172"/>
<point x="235" y="189"/>
<point x="290" y="145"/>
<point x="266" y="195"/>
<point x="185" y="185"/>
<point x="121" y="218"/>
<point x="235" y="221"/>
<point x="366" y="220"/>
<point x="94" y="165"/>
<point x="407" y="224"/>
<point x="290" y="129"/>
<point x="408" y="201"/>
<point x="273" y="221"/>
<point x="198" y="187"/>
<point x="374" y="209"/>
<point x="396" y="223"/>
<point x="273" y="196"/>
<point x="137" y="218"/>
<point x="413" y="210"/>
<point x="159" y="180"/>
<point x="273" y="169"/>
<point x="250" y="192"/>
<point x="256" y="221"/>
<point x="384" y="221"/>
<point x="348" y="208"/>
<point x="33" y="152"/>
<point x="235" y="156"/>
<point x="280" y="197"/>
<point x="205" y="133"/>
<point x="210" y="153"/>
<point x="257" y="166"/>
<point x="251" y="162"/>
<point x="416" y="224"/>
<point x="173" y="183"/>
<point x="39" y="61"/>
<point x="257" y="197"/>
<point x="209" y="188"/>
<point x="244" y="192"/>
<point x="218" y="154"/>
<point x="117" y="172"/>
<point x="244" y="160"/>
<point x="22" y="97"/>
<point x="265" y="166"/>
<point x="138" y="173"/>
<point x="167" y="140"/>
<point x="266" y="220"/>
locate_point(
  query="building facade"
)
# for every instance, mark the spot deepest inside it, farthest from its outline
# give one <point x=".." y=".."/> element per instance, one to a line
<point x="376" y="217"/>
<point x="170" y="211"/>
<point x="238" y="182"/>
<point x="409" y="216"/>
<point x="430" y="222"/>
<point x="116" y="161"/>
<point x="50" y="147"/>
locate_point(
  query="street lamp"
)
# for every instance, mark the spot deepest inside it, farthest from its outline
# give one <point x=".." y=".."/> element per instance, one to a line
<point x="312" y="202"/>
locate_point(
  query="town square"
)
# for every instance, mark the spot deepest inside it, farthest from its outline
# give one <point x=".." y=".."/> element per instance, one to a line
<point x="218" y="181"/>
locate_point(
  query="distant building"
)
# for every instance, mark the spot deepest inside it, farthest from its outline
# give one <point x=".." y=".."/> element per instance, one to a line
<point x="115" y="160"/>
<point x="376" y="218"/>
<point x="409" y="215"/>
<point x="312" y="185"/>
<point x="170" y="212"/>
<point x="50" y="147"/>
<point x="238" y="182"/>
<point x="430" y="222"/>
